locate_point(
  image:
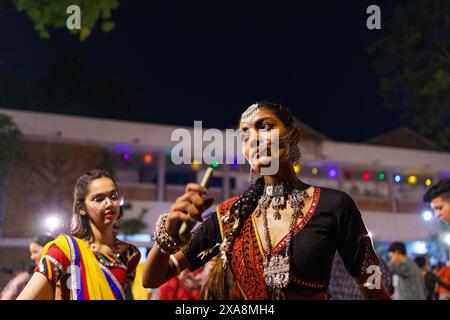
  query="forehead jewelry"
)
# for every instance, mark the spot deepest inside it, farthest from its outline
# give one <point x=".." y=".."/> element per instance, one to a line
<point x="250" y="113"/>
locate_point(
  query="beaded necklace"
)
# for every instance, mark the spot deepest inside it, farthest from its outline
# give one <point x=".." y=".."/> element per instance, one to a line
<point x="119" y="262"/>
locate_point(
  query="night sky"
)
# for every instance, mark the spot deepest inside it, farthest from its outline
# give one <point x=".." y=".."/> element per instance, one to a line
<point x="207" y="60"/>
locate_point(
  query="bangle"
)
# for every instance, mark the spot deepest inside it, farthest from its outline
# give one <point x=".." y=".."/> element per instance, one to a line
<point x="175" y="262"/>
<point x="163" y="240"/>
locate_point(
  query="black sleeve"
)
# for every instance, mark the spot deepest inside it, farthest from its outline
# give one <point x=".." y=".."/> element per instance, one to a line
<point x="386" y="276"/>
<point x="204" y="237"/>
<point x="354" y="244"/>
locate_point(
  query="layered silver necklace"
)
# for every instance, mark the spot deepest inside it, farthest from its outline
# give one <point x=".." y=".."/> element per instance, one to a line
<point x="277" y="267"/>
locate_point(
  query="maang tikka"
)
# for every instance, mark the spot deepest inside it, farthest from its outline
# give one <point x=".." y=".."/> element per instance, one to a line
<point x="250" y="114"/>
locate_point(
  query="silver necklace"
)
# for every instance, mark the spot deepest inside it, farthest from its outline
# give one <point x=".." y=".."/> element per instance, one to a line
<point x="278" y="195"/>
<point x="277" y="267"/>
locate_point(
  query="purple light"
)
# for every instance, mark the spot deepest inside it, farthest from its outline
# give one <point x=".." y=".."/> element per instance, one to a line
<point x="444" y="175"/>
<point x="332" y="173"/>
<point x="122" y="148"/>
<point x="234" y="165"/>
<point x="126" y="156"/>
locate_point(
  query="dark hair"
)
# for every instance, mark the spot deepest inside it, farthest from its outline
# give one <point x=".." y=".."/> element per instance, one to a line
<point x="421" y="261"/>
<point x="79" y="224"/>
<point x="397" y="247"/>
<point x="42" y="239"/>
<point x="221" y="282"/>
<point x="440" y="189"/>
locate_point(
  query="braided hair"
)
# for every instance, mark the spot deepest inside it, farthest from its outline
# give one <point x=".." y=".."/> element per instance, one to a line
<point x="221" y="281"/>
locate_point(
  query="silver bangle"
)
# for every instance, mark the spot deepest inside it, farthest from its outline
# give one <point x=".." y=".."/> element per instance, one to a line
<point x="163" y="240"/>
<point x="175" y="262"/>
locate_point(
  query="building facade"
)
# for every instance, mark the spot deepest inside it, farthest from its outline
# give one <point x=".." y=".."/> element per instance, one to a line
<point x="387" y="182"/>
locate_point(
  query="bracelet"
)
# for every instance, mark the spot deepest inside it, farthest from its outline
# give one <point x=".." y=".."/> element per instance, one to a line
<point x="175" y="262"/>
<point x="164" y="241"/>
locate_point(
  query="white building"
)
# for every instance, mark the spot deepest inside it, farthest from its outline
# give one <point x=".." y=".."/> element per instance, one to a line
<point x="375" y="176"/>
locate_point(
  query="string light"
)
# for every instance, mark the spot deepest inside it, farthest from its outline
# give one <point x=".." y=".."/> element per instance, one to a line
<point x="235" y="165"/>
<point x="412" y="179"/>
<point x="366" y="176"/>
<point x="381" y="176"/>
<point x="332" y="173"/>
<point x="397" y="178"/>
<point x="196" y="165"/>
<point x="126" y="156"/>
<point x="148" y="158"/>
<point x="347" y="174"/>
<point x="315" y="171"/>
<point x="215" y="164"/>
<point x="428" y="182"/>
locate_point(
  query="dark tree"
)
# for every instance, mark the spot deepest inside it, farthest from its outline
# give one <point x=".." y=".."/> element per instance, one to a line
<point x="413" y="60"/>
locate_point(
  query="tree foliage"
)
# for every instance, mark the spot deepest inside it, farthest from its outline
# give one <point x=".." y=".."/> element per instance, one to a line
<point x="53" y="14"/>
<point x="133" y="225"/>
<point x="413" y="60"/>
<point x="9" y="139"/>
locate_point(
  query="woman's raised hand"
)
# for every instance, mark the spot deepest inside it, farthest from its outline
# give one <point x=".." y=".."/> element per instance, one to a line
<point x="187" y="207"/>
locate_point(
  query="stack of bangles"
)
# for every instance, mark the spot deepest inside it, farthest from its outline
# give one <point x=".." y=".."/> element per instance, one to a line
<point x="166" y="243"/>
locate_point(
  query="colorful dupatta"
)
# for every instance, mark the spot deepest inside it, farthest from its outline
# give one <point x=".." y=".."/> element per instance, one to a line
<point x="88" y="278"/>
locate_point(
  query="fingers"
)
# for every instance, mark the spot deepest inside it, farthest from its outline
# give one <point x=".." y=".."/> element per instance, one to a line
<point x="198" y="204"/>
<point x="180" y="216"/>
<point x="195" y="188"/>
<point x="174" y="221"/>
<point x="187" y="207"/>
<point x="192" y="197"/>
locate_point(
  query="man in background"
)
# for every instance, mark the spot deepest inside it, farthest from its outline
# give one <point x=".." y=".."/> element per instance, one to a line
<point x="411" y="284"/>
<point x="438" y="197"/>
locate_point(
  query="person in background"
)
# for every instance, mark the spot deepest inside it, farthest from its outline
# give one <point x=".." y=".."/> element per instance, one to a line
<point x="438" y="198"/>
<point x="186" y="286"/>
<point x="444" y="276"/>
<point x="100" y="266"/>
<point x="16" y="285"/>
<point x="411" y="284"/>
<point x="431" y="280"/>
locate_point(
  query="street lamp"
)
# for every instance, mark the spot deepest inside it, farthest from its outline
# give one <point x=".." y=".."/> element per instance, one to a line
<point x="52" y="223"/>
<point x="427" y="215"/>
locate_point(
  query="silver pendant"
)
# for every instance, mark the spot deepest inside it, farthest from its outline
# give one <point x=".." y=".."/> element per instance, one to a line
<point x="277" y="202"/>
<point x="276" y="273"/>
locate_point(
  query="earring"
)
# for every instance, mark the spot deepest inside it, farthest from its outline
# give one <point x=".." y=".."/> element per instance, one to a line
<point x="295" y="155"/>
<point x="252" y="177"/>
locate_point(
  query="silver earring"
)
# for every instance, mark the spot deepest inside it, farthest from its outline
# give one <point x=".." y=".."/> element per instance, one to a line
<point x="295" y="156"/>
<point x="252" y="176"/>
